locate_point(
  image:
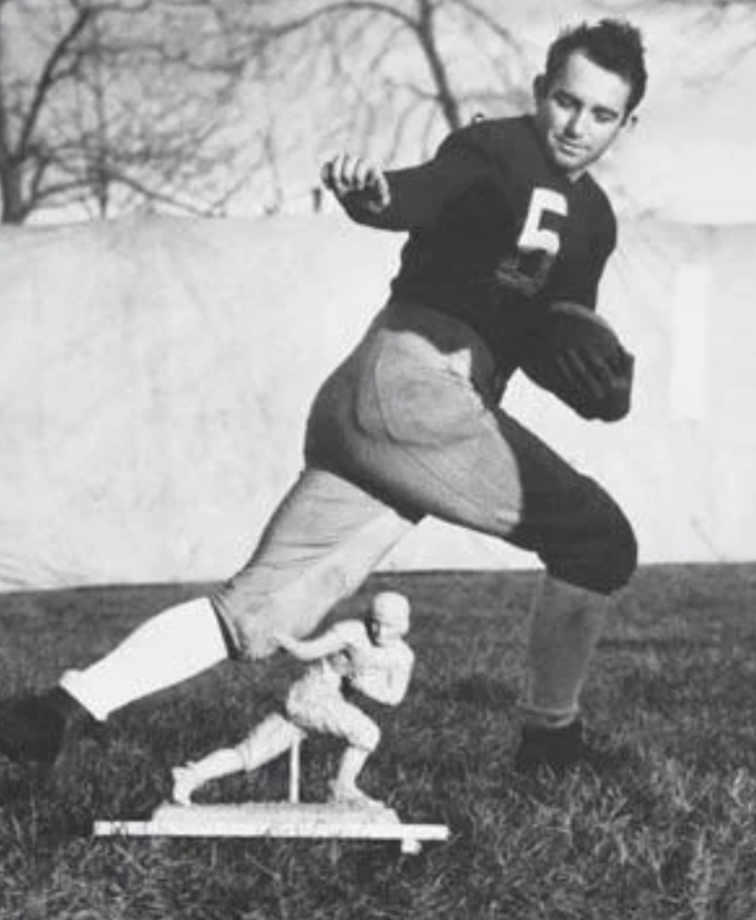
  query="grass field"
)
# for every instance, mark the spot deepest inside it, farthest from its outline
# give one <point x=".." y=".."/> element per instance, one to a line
<point x="670" y="836"/>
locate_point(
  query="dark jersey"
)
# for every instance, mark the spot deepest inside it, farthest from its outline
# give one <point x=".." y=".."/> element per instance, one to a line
<point x="496" y="233"/>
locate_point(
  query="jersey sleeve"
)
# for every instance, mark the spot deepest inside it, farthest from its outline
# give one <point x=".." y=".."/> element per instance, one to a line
<point x="420" y="194"/>
<point x="579" y="281"/>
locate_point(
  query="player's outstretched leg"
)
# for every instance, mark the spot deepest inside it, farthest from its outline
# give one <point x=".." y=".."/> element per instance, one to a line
<point x="272" y="737"/>
<point x="169" y="648"/>
<point x="320" y="545"/>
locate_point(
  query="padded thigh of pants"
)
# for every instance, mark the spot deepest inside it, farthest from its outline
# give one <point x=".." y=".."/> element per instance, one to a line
<point x="420" y="426"/>
<point x="413" y="413"/>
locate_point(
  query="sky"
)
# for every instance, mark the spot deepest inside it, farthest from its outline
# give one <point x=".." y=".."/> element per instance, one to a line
<point x="691" y="157"/>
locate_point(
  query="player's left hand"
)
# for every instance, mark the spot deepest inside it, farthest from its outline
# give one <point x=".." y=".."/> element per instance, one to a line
<point x="600" y="383"/>
<point x="580" y="359"/>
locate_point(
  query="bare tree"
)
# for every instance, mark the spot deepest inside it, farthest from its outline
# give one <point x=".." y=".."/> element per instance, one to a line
<point x="113" y="105"/>
<point x="393" y="72"/>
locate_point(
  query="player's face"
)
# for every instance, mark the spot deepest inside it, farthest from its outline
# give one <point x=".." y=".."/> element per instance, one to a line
<point x="381" y="633"/>
<point x="580" y="113"/>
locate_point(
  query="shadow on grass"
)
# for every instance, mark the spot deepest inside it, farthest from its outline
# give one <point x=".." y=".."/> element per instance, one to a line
<point x="480" y="690"/>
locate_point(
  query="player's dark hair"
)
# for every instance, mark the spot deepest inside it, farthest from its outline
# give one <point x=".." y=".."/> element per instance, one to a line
<point x="613" y="44"/>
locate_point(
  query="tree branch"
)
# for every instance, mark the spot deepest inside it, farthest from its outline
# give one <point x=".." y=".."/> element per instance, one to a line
<point x="491" y="23"/>
<point x="344" y="7"/>
<point x="48" y="76"/>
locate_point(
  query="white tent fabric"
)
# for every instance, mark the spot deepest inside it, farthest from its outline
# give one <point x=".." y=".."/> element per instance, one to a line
<point x="155" y="376"/>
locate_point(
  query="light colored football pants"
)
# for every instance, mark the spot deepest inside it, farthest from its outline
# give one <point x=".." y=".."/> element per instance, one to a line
<point x="410" y="425"/>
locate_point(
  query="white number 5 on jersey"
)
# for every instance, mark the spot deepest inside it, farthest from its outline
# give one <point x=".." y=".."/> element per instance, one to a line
<point x="534" y="236"/>
<point x="540" y="244"/>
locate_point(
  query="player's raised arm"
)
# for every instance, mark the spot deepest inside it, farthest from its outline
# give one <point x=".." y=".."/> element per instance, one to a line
<point x="311" y="649"/>
<point x="407" y="199"/>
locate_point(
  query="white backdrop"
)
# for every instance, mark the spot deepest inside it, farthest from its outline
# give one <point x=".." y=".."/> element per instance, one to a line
<point x="155" y="376"/>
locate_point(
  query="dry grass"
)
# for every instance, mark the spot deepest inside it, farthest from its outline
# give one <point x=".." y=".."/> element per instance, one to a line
<point x="669" y="836"/>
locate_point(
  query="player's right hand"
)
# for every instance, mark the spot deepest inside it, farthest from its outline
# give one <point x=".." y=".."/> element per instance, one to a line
<point x="358" y="179"/>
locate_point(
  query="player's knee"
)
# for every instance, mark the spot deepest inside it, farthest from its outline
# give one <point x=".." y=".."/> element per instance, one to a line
<point x="258" y="603"/>
<point x="602" y="557"/>
<point x="246" y="636"/>
<point x="620" y="555"/>
<point x="250" y="623"/>
<point x="612" y="556"/>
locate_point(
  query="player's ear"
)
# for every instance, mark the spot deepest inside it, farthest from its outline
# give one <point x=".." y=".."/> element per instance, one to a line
<point x="539" y="87"/>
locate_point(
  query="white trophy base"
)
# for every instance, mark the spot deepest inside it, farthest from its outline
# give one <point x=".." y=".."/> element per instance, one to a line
<point x="277" y="819"/>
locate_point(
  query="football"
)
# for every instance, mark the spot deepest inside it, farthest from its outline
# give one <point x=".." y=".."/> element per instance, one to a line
<point x="577" y="356"/>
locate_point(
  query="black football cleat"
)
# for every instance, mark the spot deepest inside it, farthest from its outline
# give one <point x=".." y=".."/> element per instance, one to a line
<point x="33" y="729"/>
<point x="561" y="749"/>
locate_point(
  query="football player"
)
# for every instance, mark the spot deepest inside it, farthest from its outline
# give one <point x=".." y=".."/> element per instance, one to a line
<point x="355" y="658"/>
<point x="508" y="235"/>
